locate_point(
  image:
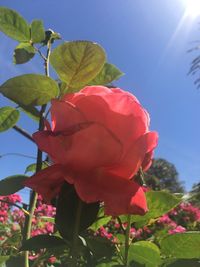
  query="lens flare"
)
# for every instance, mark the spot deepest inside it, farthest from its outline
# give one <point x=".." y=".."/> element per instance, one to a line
<point x="192" y="8"/>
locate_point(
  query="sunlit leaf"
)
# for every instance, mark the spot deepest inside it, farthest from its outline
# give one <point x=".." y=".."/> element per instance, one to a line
<point x="30" y="89"/>
<point x="47" y="219"/>
<point x="181" y="245"/>
<point x="144" y="252"/>
<point x="14" y="25"/>
<point x="23" y="53"/>
<point x="37" y="31"/>
<point x="101" y="220"/>
<point x="32" y="167"/>
<point x="8" y="118"/>
<point x="108" y="74"/>
<point x="3" y="259"/>
<point x="77" y="62"/>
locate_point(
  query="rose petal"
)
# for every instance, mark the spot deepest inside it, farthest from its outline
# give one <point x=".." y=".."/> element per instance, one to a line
<point x="88" y="148"/>
<point x="120" y="196"/>
<point x="47" y="182"/>
<point x="64" y="115"/>
<point x="132" y="161"/>
<point x="114" y="108"/>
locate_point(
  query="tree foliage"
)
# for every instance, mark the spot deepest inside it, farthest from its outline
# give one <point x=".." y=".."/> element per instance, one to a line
<point x="163" y="175"/>
<point x="195" y="194"/>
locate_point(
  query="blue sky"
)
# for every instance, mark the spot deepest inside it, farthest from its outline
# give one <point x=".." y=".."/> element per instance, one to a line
<point x="148" y="41"/>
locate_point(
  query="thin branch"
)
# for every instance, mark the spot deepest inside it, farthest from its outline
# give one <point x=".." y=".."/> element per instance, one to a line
<point x="17" y="154"/>
<point x="16" y="205"/>
<point x="23" y="132"/>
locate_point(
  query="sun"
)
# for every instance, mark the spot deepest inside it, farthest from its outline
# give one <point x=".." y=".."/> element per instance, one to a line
<point x="192" y="8"/>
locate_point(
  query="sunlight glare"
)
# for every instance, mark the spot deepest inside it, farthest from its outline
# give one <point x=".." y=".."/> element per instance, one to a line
<point x="192" y="8"/>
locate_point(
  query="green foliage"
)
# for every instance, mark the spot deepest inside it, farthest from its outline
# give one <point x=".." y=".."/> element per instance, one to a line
<point x="32" y="167"/>
<point x="47" y="219"/>
<point x="182" y="245"/>
<point x="159" y="203"/>
<point x="101" y="220"/>
<point x="100" y="247"/>
<point x="78" y="62"/>
<point x="195" y="194"/>
<point x="37" y="31"/>
<point x="183" y="263"/>
<point x="30" y="89"/>
<point x="23" y="53"/>
<point x="69" y="208"/>
<point x="4" y="259"/>
<point x="31" y="111"/>
<point x="8" y="118"/>
<point x="144" y="252"/>
<point x="108" y="74"/>
<point x="14" y="25"/>
<point x="42" y="241"/>
<point x="12" y="184"/>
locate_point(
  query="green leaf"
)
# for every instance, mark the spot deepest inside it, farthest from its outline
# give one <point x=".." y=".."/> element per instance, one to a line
<point x="31" y="111"/>
<point x="101" y="247"/>
<point x="8" y="118"/>
<point x="108" y="73"/>
<point x="23" y="53"/>
<point x="47" y="219"/>
<point x="159" y="203"/>
<point x="32" y="167"/>
<point x="144" y="252"/>
<point x="183" y="263"/>
<point x="37" y="31"/>
<point x="100" y="222"/>
<point x="30" y="89"/>
<point x="109" y="263"/>
<point x="66" y="212"/>
<point x="181" y="245"/>
<point x="12" y="184"/>
<point x="14" y="25"/>
<point x="77" y="62"/>
<point x="42" y="241"/>
<point x="4" y="259"/>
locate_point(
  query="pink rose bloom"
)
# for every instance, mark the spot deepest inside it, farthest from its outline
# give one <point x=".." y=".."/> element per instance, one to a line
<point x="98" y="140"/>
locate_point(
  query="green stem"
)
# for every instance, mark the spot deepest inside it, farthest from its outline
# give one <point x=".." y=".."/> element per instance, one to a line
<point x="127" y="240"/>
<point x="75" y="234"/>
<point x="33" y="198"/>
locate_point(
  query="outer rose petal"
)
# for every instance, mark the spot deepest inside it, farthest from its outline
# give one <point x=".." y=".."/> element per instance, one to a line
<point x="88" y="148"/>
<point x="120" y="196"/>
<point x="64" y="115"/>
<point x="147" y="161"/>
<point x="132" y="161"/>
<point x="47" y="182"/>
<point x="146" y="164"/>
